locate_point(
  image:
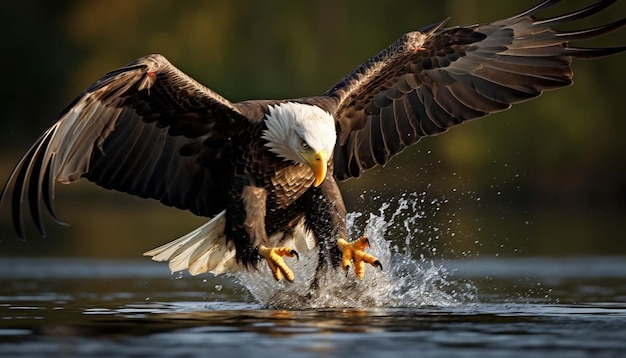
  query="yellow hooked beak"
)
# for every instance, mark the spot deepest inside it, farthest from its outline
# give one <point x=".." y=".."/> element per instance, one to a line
<point x="318" y="163"/>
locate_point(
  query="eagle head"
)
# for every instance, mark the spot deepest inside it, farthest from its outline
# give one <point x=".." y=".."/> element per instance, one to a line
<point x="301" y="133"/>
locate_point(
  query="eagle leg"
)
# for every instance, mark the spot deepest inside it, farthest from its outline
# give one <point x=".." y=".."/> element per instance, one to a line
<point x="274" y="257"/>
<point x="355" y="252"/>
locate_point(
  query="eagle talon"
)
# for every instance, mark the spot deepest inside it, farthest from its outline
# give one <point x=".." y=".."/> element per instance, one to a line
<point x="355" y="252"/>
<point x="377" y="263"/>
<point x="274" y="257"/>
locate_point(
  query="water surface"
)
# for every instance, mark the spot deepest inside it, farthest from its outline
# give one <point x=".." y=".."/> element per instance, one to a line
<point x="525" y="307"/>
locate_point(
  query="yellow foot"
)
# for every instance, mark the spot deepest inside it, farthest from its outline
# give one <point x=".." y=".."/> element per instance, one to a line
<point x="355" y="252"/>
<point x="274" y="257"/>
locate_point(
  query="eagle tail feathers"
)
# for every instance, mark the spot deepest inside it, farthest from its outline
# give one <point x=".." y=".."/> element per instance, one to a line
<point x="206" y="248"/>
<point x="203" y="250"/>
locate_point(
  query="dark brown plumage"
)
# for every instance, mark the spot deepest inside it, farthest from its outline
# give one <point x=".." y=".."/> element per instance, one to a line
<point x="149" y="130"/>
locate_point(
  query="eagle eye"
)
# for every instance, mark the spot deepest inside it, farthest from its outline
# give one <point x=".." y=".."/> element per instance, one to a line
<point x="304" y="145"/>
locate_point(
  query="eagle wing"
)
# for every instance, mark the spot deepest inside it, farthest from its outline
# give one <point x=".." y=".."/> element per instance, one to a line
<point x="433" y="79"/>
<point x="146" y="129"/>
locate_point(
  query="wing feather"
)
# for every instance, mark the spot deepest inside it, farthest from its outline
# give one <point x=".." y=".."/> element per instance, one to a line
<point x="403" y="127"/>
<point x="127" y="132"/>
<point x="436" y="78"/>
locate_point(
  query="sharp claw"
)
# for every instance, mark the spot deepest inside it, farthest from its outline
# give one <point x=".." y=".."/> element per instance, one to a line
<point x="377" y="263"/>
<point x="347" y="270"/>
<point x="354" y="252"/>
<point x="274" y="257"/>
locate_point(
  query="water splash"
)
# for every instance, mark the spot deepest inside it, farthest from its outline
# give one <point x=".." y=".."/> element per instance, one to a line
<point x="405" y="281"/>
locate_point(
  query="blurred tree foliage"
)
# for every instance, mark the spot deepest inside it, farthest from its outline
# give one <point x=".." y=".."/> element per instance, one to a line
<point x="563" y="149"/>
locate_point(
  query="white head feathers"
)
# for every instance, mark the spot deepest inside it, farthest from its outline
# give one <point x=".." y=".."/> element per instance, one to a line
<point x="290" y="126"/>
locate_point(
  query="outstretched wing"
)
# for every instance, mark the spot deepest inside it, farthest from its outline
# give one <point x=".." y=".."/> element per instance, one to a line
<point x="146" y="129"/>
<point x="433" y="79"/>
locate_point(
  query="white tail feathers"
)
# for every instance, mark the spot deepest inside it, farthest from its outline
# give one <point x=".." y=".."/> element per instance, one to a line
<point x="203" y="250"/>
<point x="206" y="249"/>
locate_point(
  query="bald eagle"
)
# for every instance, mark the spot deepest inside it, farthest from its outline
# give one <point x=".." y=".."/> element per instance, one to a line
<point x="265" y="171"/>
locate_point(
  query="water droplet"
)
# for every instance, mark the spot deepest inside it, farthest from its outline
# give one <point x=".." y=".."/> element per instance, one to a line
<point x="399" y="226"/>
<point x="177" y="275"/>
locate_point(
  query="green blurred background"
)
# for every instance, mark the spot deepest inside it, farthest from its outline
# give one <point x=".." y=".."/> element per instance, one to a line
<point x="546" y="178"/>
